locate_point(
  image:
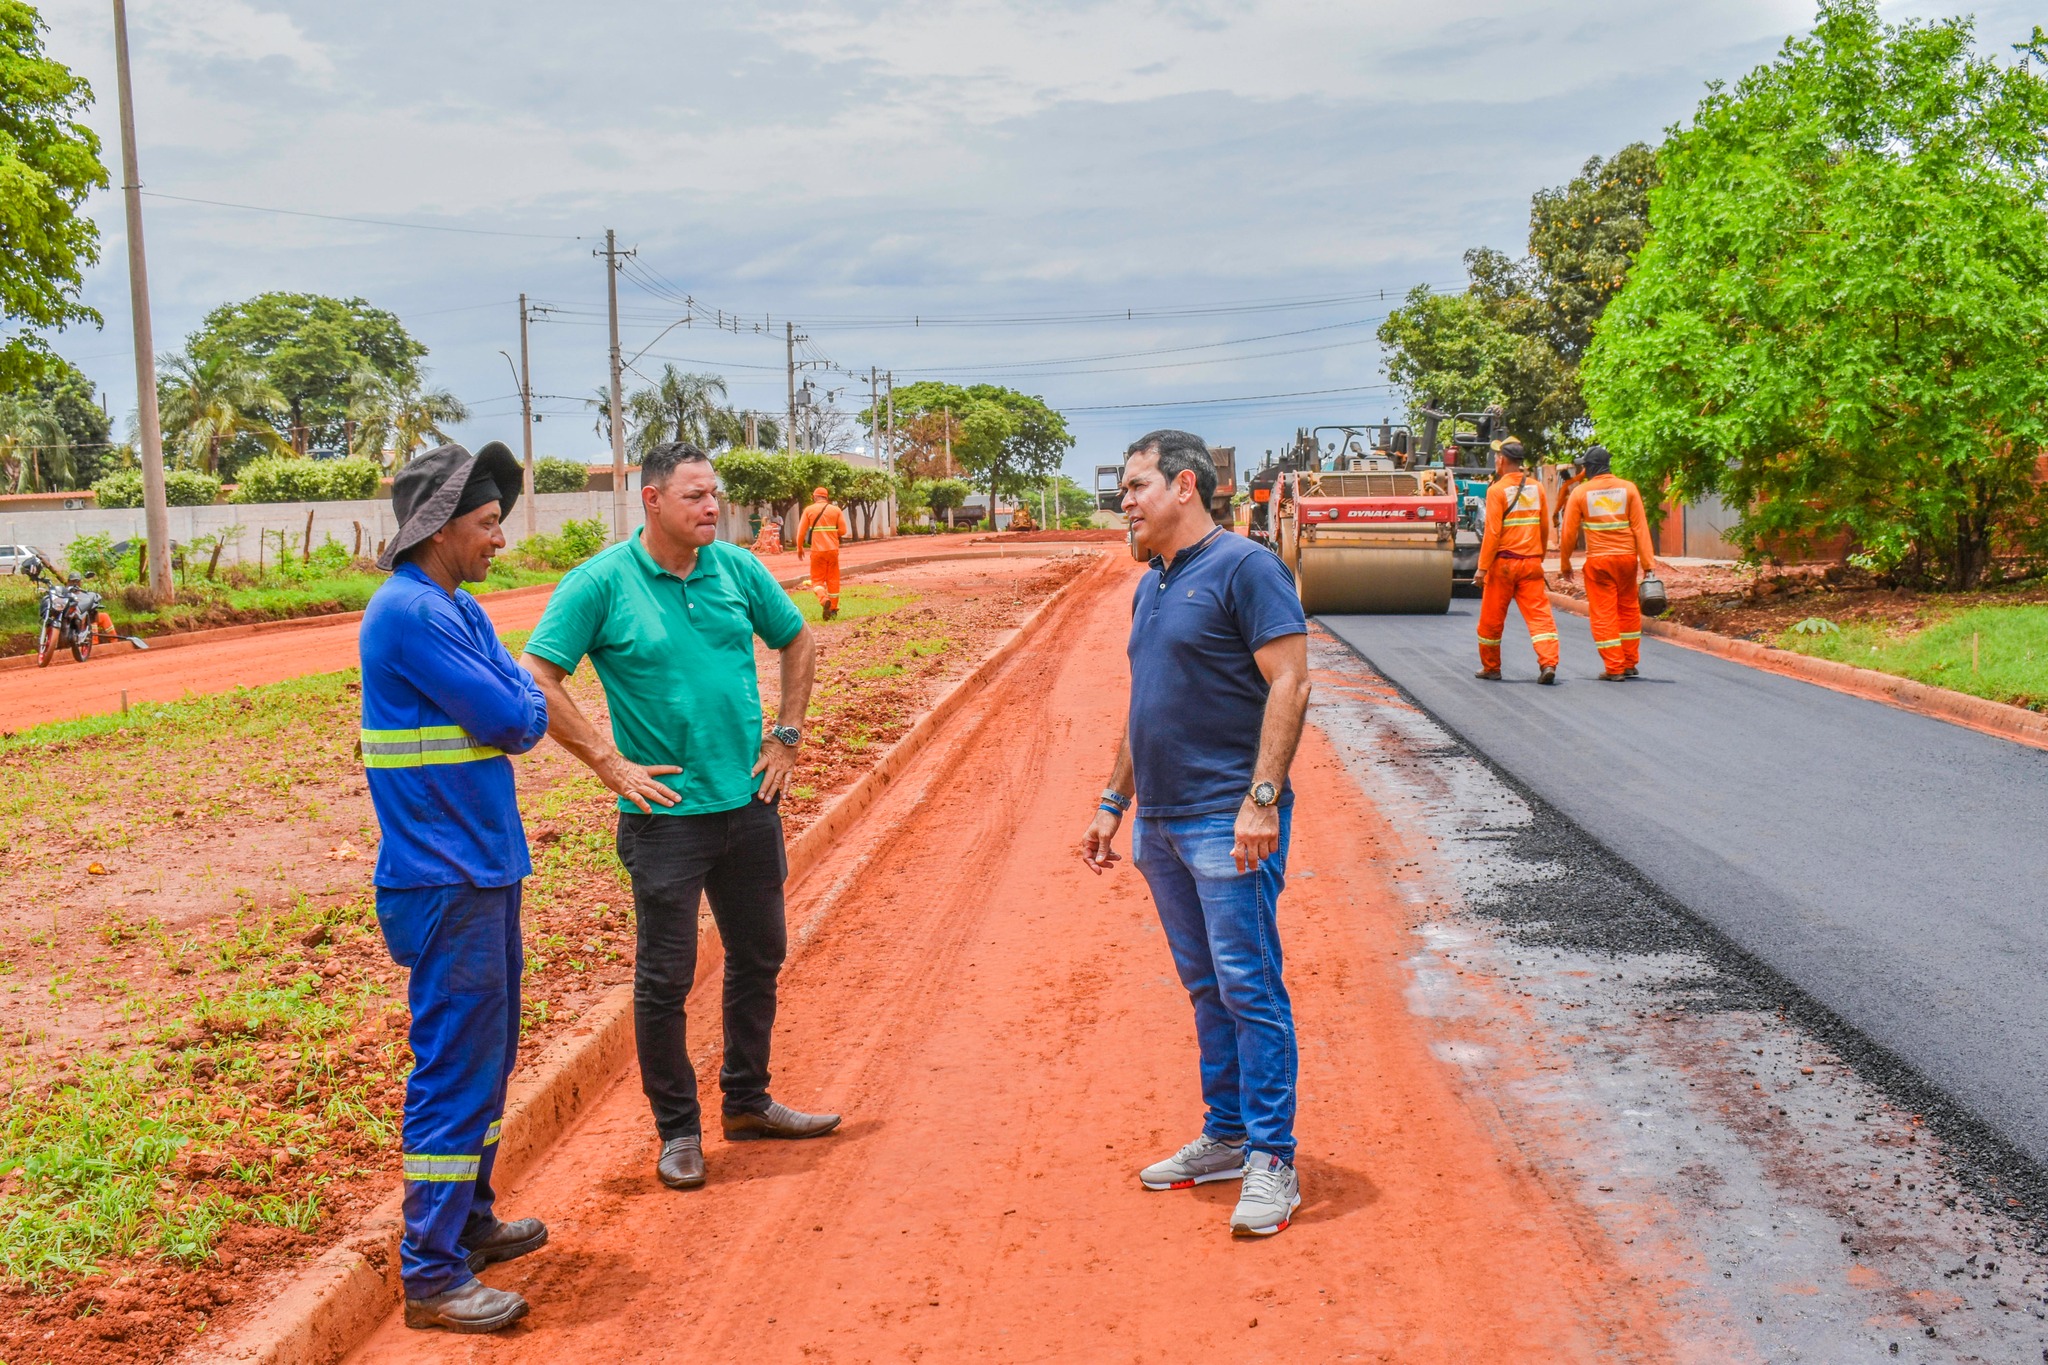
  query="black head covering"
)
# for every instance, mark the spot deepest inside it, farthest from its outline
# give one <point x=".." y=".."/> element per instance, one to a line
<point x="1596" y="460"/>
<point x="443" y="484"/>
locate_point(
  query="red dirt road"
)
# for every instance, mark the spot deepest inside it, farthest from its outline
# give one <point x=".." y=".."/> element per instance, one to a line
<point x="67" y="690"/>
<point x="1006" y="1037"/>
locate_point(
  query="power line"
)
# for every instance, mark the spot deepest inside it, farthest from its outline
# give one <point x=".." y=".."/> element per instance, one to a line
<point x="373" y="222"/>
<point x="1248" y="398"/>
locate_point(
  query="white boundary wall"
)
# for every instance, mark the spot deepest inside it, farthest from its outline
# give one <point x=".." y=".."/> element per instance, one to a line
<point x="50" y="532"/>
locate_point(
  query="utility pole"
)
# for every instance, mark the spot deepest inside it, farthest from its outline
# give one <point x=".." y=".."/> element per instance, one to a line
<point x="611" y="254"/>
<point x="526" y="416"/>
<point x="156" y="511"/>
<point x="949" y="441"/>
<point x="789" y="362"/>
<point x="891" y="434"/>
<point x="875" y="420"/>
<point x="753" y="430"/>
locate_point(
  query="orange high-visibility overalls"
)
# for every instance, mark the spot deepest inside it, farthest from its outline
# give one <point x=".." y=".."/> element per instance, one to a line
<point x="1511" y="562"/>
<point x="818" y="535"/>
<point x="1610" y="510"/>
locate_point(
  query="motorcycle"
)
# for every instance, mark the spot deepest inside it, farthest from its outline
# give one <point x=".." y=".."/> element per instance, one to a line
<point x="71" y="616"/>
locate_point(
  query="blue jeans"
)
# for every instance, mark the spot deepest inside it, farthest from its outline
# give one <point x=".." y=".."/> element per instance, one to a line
<point x="1223" y="928"/>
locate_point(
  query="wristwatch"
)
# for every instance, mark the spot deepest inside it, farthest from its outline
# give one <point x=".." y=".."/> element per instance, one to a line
<point x="787" y="734"/>
<point x="1265" y="794"/>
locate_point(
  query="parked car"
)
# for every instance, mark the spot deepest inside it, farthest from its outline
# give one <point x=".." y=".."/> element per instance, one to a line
<point x="12" y="557"/>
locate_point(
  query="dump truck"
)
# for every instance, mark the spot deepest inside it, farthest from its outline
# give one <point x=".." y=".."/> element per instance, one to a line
<point x="1371" y="527"/>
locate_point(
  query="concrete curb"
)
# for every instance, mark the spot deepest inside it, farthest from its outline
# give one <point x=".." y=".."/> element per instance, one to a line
<point x="180" y="638"/>
<point x="1940" y="703"/>
<point x="333" y="1305"/>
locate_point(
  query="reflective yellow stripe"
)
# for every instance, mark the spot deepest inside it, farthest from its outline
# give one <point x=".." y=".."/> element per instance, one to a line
<point x="440" y="1169"/>
<point x="1552" y="635"/>
<point x="1536" y="520"/>
<point x="1605" y="525"/>
<point x="1631" y="635"/>
<point x="1606" y="644"/>
<point x="427" y="746"/>
<point x="492" y="1135"/>
<point x="1484" y="641"/>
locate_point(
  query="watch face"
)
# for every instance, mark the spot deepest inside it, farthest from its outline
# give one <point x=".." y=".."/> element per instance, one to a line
<point x="1265" y="794"/>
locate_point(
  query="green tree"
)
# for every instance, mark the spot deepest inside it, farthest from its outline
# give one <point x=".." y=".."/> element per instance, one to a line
<point x="1003" y="438"/>
<point x="70" y="395"/>
<point x="210" y="404"/>
<point x="675" y="407"/>
<point x="863" y="492"/>
<point x="1839" y="319"/>
<point x="1071" y="509"/>
<point x="49" y="163"/>
<point x="728" y="431"/>
<point x="552" y="475"/>
<point x="943" y="495"/>
<point x="1516" y="335"/>
<point x="33" y="446"/>
<point x="321" y="354"/>
<point x="402" y="415"/>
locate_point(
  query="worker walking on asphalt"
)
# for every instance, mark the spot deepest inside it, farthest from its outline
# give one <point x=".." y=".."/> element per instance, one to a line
<point x="1219" y="689"/>
<point x="443" y="704"/>
<point x="817" y="534"/>
<point x="1610" y="510"/>
<point x="1511" y="563"/>
<point x="668" y="617"/>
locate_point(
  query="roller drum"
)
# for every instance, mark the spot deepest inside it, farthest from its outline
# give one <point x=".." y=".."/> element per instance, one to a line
<point x="1383" y="579"/>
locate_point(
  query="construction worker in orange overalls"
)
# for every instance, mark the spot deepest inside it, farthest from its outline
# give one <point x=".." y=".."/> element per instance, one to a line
<point x="817" y="535"/>
<point x="1511" y="563"/>
<point x="1610" y="511"/>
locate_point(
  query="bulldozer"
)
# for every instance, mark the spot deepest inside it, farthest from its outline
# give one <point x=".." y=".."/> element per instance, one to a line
<point x="1367" y="521"/>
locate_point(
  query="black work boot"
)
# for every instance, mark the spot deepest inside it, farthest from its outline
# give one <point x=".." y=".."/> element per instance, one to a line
<point x="504" y="1241"/>
<point x="777" y="1121"/>
<point x="1547" y="677"/>
<point x="471" y="1306"/>
<point x="681" y="1166"/>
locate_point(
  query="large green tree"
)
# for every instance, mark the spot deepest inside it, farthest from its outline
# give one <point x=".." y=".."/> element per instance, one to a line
<point x="49" y="163"/>
<point x="1517" y="334"/>
<point x="210" y="406"/>
<point x="677" y="406"/>
<point x="319" y="353"/>
<point x="1840" y="320"/>
<point x="1004" y="440"/>
<point x="70" y="397"/>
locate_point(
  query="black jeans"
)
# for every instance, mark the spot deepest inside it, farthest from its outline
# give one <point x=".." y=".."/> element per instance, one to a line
<point x="736" y="858"/>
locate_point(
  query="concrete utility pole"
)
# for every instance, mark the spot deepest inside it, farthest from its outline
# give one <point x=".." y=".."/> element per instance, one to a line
<point x="875" y="419"/>
<point x="789" y="363"/>
<point x="611" y="254"/>
<point x="526" y="416"/>
<point x="156" y="510"/>
<point x="890" y="437"/>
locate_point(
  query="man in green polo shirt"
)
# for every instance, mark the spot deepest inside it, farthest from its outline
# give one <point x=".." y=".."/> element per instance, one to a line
<point x="668" y="617"/>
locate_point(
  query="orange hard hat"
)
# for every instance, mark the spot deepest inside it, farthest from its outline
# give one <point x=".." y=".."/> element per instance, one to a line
<point x="819" y="493"/>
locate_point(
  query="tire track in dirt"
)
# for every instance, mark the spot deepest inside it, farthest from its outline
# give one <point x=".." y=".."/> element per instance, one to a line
<point x="1008" y="1041"/>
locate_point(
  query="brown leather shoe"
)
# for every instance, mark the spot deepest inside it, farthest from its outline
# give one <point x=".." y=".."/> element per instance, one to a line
<point x="504" y="1242"/>
<point x="471" y="1306"/>
<point x="1488" y="675"/>
<point x="777" y="1121"/>
<point x="682" y="1163"/>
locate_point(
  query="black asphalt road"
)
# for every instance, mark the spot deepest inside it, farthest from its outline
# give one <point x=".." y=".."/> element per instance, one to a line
<point x="1891" y="867"/>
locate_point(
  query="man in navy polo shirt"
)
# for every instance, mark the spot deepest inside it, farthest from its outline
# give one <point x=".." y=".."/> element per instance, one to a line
<point x="1219" y="689"/>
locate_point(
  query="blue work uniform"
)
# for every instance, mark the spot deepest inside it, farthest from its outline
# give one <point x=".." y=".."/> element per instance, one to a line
<point x="443" y="704"/>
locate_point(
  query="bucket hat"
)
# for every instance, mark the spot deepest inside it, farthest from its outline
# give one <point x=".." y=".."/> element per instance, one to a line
<point x="429" y="492"/>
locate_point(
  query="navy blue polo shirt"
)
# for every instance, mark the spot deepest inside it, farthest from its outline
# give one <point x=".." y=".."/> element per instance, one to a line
<point x="1198" y="699"/>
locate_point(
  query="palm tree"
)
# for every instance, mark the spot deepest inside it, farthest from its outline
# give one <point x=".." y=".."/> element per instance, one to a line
<point x="404" y="415"/>
<point x="212" y="402"/>
<point x="677" y="407"/>
<point x="33" y="439"/>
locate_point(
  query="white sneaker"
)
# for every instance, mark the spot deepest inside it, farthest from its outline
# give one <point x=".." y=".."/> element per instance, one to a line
<point x="1271" y="1195"/>
<point x="1201" y="1161"/>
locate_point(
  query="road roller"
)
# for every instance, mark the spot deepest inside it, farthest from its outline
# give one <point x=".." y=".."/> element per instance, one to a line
<point x="1369" y="538"/>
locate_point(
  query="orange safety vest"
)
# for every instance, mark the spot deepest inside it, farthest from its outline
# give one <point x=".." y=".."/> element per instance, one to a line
<point x="1610" y="511"/>
<point x="1517" y="513"/>
<point x="820" y="527"/>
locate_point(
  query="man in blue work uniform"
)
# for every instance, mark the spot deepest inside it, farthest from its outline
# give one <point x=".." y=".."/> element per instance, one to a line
<point x="1219" y="690"/>
<point x="443" y="704"/>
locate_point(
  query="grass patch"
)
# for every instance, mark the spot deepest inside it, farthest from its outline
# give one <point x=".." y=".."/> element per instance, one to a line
<point x="2011" y="651"/>
<point x="855" y="600"/>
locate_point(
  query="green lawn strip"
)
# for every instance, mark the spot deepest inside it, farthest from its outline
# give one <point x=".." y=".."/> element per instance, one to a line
<point x="236" y="1101"/>
<point x="855" y="600"/>
<point x="280" y="595"/>
<point x="2011" y="651"/>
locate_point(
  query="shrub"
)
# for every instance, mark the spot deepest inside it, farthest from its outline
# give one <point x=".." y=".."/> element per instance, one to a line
<point x="182" y="488"/>
<point x="91" y="555"/>
<point x="576" y="542"/>
<point x="285" y="478"/>
<point x="552" y="475"/>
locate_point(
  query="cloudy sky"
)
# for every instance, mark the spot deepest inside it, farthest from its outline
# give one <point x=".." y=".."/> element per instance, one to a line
<point x="1149" y="212"/>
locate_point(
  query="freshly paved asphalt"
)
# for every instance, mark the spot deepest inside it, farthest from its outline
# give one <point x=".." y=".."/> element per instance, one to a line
<point x="1892" y="867"/>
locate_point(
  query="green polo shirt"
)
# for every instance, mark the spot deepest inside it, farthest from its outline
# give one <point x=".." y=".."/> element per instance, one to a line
<point x="676" y="657"/>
